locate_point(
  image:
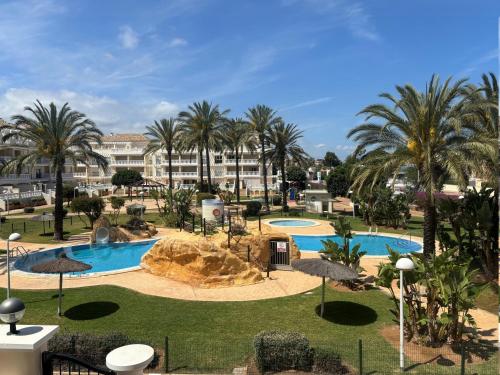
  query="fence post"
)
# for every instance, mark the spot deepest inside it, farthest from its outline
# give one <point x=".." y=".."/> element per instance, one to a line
<point x="229" y="240"/>
<point x="165" y="355"/>
<point x="204" y="227"/>
<point x="462" y="359"/>
<point x="71" y="220"/>
<point x="194" y="224"/>
<point x="24" y="226"/>
<point x="229" y="224"/>
<point x="360" y="356"/>
<point x="259" y="224"/>
<point x="223" y="221"/>
<point x="248" y="253"/>
<point x="12" y="228"/>
<point x="268" y="267"/>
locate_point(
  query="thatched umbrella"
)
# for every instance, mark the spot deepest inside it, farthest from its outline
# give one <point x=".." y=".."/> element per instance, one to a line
<point x="43" y="218"/>
<point x="61" y="265"/>
<point x="324" y="268"/>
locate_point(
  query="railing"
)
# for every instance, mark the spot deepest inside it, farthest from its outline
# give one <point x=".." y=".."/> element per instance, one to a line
<point x="242" y="161"/>
<point x="128" y="162"/>
<point x="79" y="174"/>
<point x="59" y="363"/>
<point x="182" y="174"/>
<point x="243" y="173"/>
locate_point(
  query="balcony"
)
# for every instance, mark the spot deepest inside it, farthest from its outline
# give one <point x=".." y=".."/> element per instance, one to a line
<point x="123" y="151"/>
<point x="242" y="162"/>
<point x="182" y="174"/>
<point x="127" y="162"/>
<point x="243" y="173"/>
<point x="79" y="174"/>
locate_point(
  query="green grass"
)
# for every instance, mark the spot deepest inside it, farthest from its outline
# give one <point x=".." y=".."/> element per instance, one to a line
<point x="218" y="335"/>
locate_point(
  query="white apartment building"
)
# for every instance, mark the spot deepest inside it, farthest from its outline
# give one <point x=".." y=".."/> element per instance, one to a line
<point x="124" y="151"/>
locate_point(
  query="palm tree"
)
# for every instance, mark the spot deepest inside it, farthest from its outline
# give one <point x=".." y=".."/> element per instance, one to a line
<point x="204" y="121"/>
<point x="418" y="129"/>
<point x="58" y="136"/>
<point x="163" y="135"/>
<point x="236" y="136"/>
<point x="283" y="141"/>
<point x="261" y="118"/>
<point x="191" y="138"/>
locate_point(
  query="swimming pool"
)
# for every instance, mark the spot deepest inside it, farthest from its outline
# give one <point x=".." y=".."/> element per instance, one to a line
<point x="102" y="258"/>
<point x="293" y="223"/>
<point x="373" y="245"/>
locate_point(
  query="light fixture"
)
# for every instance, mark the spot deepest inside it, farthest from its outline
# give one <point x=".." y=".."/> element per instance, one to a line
<point x="12" y="237"/>
<point x="12" y="311"/>
<point x="403" y="264"/>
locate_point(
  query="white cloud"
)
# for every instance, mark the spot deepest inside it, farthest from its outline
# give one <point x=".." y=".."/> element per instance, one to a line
<point x="177" y="42"/>
<point x="109" y="114"/>
<point x="320" y="145"/>
<point x="307" y="103"/>
<point x="128" y="37"/>
<point x="345" y="147"/>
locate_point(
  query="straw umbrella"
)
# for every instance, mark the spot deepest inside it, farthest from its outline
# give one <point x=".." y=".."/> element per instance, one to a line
<point x="324" y="268"/>
<point x="43" y="218"/>
<point x="61" y="265"/>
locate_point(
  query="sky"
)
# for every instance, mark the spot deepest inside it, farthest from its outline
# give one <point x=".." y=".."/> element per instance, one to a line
<point x="125" y="63"/>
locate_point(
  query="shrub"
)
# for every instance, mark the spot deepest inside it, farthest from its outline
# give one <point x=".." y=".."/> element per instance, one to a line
<point x="253" y="208"/>
<point x="126" y="177"/>
<point x="286" y="208"/>
<point x="237" y="229"/>
<point x="170" y="220"/>
<point x="116" y="204"/>
<point x="136" y="210"/>
<point x="328" y="362"/>
<point x="91" y="207"/>
<point x="3" y="219"/>
<point x="91" y="347"/>
<point x="276" y="200"/>
<point x="202" y="196"/>
<point x="64" y="211"/>
<point x="29" y="210"/>
<point x="281" y="351"/>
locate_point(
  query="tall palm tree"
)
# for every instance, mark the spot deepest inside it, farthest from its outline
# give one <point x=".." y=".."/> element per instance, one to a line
<point x="190" y="139"/>
<point x="59" y="136"/>
<point x="163" y="135"/>
<point x="283" y="141"/>
<point x="261" y="118"/>
<point x="419" y="129"/>
<point x="204" y="121"/>
<point x="236" y="136"/>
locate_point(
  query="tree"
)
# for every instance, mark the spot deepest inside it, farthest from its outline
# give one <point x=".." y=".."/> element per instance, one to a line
<point x="421" y="129"/>
<point x="163" y="135"/>
<point x="261" y="118"/>
<point x="297" y="176"/>
<point x="91" y="207"/>
<point x="116" y="204"/>
<point x="331" y="160"/>
<point x="283" y="140"/>
<point x="59" y="136"/>
<point x="126" y="177"/>
<point x="236" y="135"/>
<point x="338" y="182"/>
<point x="69" y="192"/>
<point x="202" y="125"/>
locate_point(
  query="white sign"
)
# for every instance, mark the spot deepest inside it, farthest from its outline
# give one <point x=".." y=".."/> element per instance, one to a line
<point x="281" y="247"/>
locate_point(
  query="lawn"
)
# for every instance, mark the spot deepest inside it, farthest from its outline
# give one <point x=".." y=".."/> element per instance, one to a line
<point x="211" y="336"/>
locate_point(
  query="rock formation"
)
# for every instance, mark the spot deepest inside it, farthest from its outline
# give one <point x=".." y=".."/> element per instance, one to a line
<point x="119" y="234"/>
<point x="199" y="262"/>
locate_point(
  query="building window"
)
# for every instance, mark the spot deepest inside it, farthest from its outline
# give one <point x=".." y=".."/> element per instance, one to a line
<point x="218" y="159"/>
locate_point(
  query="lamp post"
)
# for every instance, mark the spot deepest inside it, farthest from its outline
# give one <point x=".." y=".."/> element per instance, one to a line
<point x="12" y="237"/>
<point x="12" y="311"/>
<point x="403" y="264"/>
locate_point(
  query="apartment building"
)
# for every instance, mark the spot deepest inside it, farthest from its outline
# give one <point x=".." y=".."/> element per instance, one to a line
<point x="125" y="151"/>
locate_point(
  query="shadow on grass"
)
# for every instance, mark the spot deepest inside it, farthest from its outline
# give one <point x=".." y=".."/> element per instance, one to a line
<point x="348" y="313"/>
<point x="91" y="310"/>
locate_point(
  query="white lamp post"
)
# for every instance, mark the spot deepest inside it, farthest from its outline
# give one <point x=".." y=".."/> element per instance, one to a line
<point x="403" y="264"/>
<point x="12" y="237"/>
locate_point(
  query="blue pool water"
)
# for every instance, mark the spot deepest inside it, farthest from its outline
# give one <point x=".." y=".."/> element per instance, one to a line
<point x="293" y="223"/>
<point x="108" y="257"/>
<point x="373" y="245"/>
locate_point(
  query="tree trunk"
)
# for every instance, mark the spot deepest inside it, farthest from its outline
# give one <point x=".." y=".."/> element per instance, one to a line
<point x="170" y="179"/>
<point x="58" y="208"/>
<point x="237" y="176"/>
<point x="200" y="165"/>
<point x="283" y="182"/>
<point x="430" y="223"/>
<point x="209" y="175"/>
<point x="264" y="173"/>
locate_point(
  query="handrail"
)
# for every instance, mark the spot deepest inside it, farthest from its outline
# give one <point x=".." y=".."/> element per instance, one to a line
<point x="20" y="250"/>
<point x="404" y="234"/>
<point x="49" y="357"/>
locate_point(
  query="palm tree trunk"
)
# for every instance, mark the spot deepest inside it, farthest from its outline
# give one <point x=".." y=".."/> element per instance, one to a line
<point x="283" y="181"/>
<point x="237" y="176"/>
<point x="58" y="209"/>
<point x="170" y="179"/>
<point x="200" y="166"/>
<point x="209" y="176"/>
<point x="430" y="223"/>
<point x="264" y="173"/>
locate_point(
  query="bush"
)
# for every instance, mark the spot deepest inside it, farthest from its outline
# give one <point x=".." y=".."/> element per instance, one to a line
<point x="65" y="212"/>
<point x="29" y="210"/>
<point x="170" y="220"/>
<point x="276" y="199"/>
<point x="91" y="207"/>
<point x="202" y="196"/>
<point x="91" y="347"/>
<point x="253" y="208"/>
<point x="286" y="208"/>
<point x="281" y="351"/>
<point x="136" y="210"/>
<point x="126" y="177"/>
<point x="328" y="362"/>
<point x="3" y="219"/>
<point x="237" y="229"/>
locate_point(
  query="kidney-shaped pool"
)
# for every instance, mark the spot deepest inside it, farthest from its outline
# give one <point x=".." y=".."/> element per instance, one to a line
<point x="372" y="244"/>
<point x="102" y="258"/>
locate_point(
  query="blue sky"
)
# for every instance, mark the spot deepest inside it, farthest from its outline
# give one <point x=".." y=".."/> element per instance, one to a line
<point x="126" y="62"/>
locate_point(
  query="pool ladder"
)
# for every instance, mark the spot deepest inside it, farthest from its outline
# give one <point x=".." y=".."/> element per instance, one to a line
<point x="370" y="232"/>
<point x="400" y="239"/>
<point x="20" y="251"/>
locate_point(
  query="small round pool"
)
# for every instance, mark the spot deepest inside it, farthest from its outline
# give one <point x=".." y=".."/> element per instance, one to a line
<point x="293" y="223"/>
<point x="102" y="258"/>
<point x="372" y="244"/>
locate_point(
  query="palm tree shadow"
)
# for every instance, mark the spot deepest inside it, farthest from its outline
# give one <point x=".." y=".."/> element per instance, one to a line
<point x="348" y="313"/>
<point x="91" y="310"/>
